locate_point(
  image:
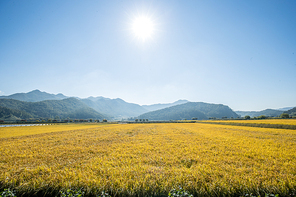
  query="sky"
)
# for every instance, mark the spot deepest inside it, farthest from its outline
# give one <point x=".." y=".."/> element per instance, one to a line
<point x="237" y="53"/>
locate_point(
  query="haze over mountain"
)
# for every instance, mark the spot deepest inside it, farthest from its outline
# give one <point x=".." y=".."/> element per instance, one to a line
<point x="67" y="108"/>
<point x="285" y="108"/>
<point x="158" y="106"/>
<point x="116" y="108"/>
<point x="190" y="110"/>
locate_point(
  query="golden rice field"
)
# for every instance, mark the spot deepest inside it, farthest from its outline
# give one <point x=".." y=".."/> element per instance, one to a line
<point x="149" y="159"/>
<point x="262" y="121"/>
<point x="20" y="131"/>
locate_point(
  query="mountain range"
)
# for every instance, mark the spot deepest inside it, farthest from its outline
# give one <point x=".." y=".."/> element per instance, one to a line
<point x="37" y="104"/>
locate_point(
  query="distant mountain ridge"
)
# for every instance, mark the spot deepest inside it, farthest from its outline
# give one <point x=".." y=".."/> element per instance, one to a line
<point x="116" y="108"/>
<point x="285" y="108"/>
<point x="158" y="106"/>
<point x="189" y="110"/>
<point x="266" y="112"/>
<point x="34" y="96"/>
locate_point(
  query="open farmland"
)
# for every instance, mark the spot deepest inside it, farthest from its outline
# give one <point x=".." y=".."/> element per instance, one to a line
<point x="264" y="123"/>
<point x="149" y="159"/>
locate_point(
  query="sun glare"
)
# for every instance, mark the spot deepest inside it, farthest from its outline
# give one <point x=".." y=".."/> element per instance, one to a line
<point x="143" y="27"/>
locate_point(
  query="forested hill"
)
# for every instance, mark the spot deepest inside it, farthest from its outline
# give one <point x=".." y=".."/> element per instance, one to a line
<point x="34" y="96"/>
<point x="191" y="110"/>
<point x="291" y="111"/>
<point x="66" y="108"/>
<point x="13" y="114"/>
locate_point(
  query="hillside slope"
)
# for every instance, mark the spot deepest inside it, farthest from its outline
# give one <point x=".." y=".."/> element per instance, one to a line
<point x="190" y="110"/>
<point x="291" y="112"/>
<point x="66" y="108"/>
<point x="13" y="114"/>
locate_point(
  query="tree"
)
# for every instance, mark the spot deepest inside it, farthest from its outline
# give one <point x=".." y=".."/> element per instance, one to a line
<point x="262" y="117"/>
<point x="284" y="115"/>
<point x="247" y="117"/>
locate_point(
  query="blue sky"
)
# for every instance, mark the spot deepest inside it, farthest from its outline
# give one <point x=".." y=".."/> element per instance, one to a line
<point x="238" y="53"/>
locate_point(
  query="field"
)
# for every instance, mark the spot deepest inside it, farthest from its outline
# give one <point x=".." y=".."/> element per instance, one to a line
<point x="264" y="123"/>
<point x="148" y="159"/>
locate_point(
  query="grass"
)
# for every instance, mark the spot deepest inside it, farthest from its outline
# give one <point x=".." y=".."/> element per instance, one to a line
<point x="150" y="160"/>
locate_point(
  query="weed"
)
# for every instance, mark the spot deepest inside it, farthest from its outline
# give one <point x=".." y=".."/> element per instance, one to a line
<point x="72" y="193"/>
<point x="7" y="193"/>
<point x="179" y="193"/>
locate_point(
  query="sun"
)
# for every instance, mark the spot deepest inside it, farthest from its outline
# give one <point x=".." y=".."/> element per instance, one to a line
<point x="143" y="27"/>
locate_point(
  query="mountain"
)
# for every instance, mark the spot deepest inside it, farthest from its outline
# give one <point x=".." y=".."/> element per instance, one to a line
<point x="13" y="114"/>
<point x="155" y="107"/>
<point x="66" y="108"/>
<point x="34" y="96"/>
<point x="116" y="108"/>
<point x="190" y="110"/>
<point x="291" y="112"/>
<point x="266" y="112"/>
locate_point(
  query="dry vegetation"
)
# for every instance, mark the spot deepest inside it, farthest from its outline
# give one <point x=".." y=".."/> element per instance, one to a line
<point x="265" y="123"/>
<point x="6" y="132"/>
<point x="149" y="159"/>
